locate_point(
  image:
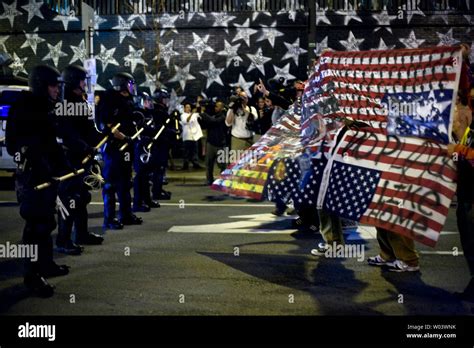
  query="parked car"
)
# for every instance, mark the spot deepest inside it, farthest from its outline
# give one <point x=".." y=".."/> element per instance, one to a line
<point x="8" y="95"/>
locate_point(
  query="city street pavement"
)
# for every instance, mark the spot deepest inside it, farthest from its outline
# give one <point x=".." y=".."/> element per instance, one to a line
<point x="204" y="253"/>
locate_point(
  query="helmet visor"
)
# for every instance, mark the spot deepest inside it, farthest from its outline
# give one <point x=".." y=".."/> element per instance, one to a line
<point x="132" y="87"/>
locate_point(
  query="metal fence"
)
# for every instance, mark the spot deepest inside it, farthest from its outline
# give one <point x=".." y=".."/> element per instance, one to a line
<point x="394" y="5"/>
<point x="111" y="7"/>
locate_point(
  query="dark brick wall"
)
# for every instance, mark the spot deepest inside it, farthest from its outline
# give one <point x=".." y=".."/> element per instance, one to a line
<point x="433" y="28"/>
<point x="147" y="38"/>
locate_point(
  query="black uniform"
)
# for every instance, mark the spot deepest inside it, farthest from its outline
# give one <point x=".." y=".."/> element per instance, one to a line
<point x="116" y="108"/>
<point x="32" y="126"/>
<point x="79" y="136"/>
<point x="216" y="141"/>
<point x="160" y="150"/>
<point x="143" y="163"/>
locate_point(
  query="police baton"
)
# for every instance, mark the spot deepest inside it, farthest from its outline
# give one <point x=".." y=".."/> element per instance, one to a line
<point x="61" y="178"/>
<point x="133" y="137"/>
<point x="102" y="142"/>
<point x="84" y="161"/>
<point x="157" y="134"/>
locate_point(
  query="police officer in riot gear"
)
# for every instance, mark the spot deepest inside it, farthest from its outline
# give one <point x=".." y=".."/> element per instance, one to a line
<point x="31" y="138"/>
<point x="78" y="136"/>
<point x="161" y="147"/>
<point x="116" y="106"/>
<point x="143" y="163"/>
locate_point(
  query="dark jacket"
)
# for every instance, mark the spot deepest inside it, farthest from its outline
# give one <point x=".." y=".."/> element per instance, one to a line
<point x="34" y="127"/>
<point x="78" y="133"/>
<point x="216" y="128"/>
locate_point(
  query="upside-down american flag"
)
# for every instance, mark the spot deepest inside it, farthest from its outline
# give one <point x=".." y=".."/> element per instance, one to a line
<point x="390" y="169"/>
<point x="404" y="185"/>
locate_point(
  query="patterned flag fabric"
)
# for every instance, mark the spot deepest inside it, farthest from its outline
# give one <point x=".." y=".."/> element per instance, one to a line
<point x="247" y="176"/>
<point x="404" y="185"/>
<point x="368" y="144"/>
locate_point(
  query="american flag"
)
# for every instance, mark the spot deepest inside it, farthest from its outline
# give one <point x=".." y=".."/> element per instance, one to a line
<point x="248" y="176"/>
<point x="402" y="184"/>
<point x="288" y="181"/>
<point x="414" y="90"/>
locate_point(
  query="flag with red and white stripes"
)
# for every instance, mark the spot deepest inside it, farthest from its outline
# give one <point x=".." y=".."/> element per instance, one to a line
<point x="402" y="184"/>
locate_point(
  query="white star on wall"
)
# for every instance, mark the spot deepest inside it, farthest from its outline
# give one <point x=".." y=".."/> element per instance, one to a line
<point x="321" y="15"/>
<point x="151" y="81"/>
<point x="166" y="52"/>
<point x="414" y="11"/>
<point x="32" y="41"/>
<point x="244" y="84"/>
<point x="222" y="19"/>
<point x="175" y="101"/>
<point x="200" y="45"/>
<point x="321" y="46"/>
<point x="294" y="51"/>
<point x="258" y="61"/>
<point x="54" y="53"/>
<point x="411" y="41"/>
<point x="383" y="46"/>
<point x="10" y="12"/>
<point x="98" y="21"/>
<point x="106" y="57"/>
<point x="134" y="57"/>
<point x="269" y="33"/>
<point x="230" y="52"/>
<point x="244" y="32"/>
<point x="79" y="52"/>
<point x="349" y="14"/>
<point x="166" y="20"/>
<point x="33" y="9"/>
<point x="65" y="18"/>
<point x="212" y="75"/>
<point x="351" y="44"/>
<point x="447" y="39"/>
<point x="255" y="14"/>
<point x="284" y="73"/>
<point x="125" y="29"/>
<point x="383" y="20"/>
<point x="140" y="17"/>
<point x="290" y="13"/>
<point x="182" y="75"/>
<point x="18" y="65"/>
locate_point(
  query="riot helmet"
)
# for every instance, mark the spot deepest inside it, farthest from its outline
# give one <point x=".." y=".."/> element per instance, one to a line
<point x="44" y="77"/>
<point x="124" y="82"/>
<point x="73" y="75"/>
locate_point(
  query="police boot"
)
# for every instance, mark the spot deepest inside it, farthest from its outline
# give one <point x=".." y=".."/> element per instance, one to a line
<point x="113" y="224"/>
<point x="131" y="220"/>
<point x="154" y="204"/>
<point x="69" y="248"/>
<point x="52" y="270"/>
<point x="142" y="208"/>
<point x="38" y="285"/>
<point x="91" y="239"/>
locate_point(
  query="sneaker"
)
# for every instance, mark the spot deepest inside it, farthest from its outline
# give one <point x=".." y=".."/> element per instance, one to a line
<point x="378" y="261"/>
<point x="320" y="250"/>
<point x="400" y="266"/>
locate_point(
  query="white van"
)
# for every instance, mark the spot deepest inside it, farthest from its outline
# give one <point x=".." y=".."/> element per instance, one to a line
<point x="8" y="95"/>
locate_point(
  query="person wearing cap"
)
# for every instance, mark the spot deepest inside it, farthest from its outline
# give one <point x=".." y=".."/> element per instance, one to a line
<point x="116" y="106"/>
<point x="31" y="138"/>
<point x="78" y="137"/>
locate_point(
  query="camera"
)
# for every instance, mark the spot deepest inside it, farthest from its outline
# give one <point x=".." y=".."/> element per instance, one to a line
<point x="235" y="102"/>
